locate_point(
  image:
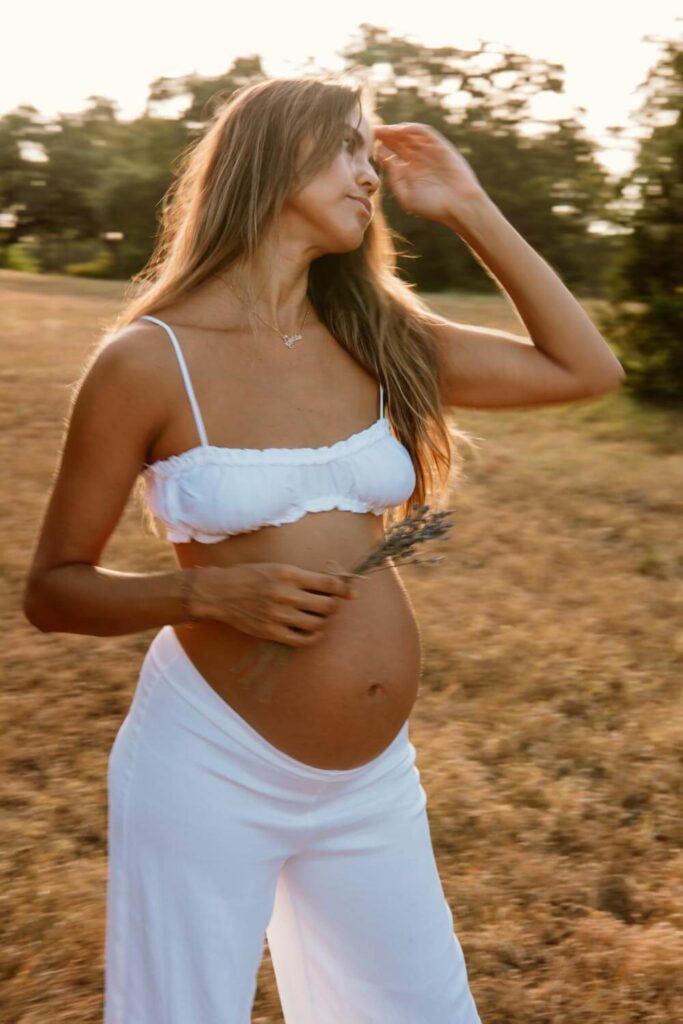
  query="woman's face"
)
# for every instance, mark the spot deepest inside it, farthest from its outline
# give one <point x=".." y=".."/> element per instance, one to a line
<point x="334" y="221"/>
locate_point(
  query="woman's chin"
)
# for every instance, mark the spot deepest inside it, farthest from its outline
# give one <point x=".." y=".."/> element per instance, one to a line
<point x="349" y="241"/>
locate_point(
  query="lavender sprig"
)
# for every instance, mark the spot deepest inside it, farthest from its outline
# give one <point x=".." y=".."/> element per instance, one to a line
<point x="416" y="528"/>
<point x="396" y="548"/>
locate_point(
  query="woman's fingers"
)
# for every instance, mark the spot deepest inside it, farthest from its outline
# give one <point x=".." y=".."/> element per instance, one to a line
<point x="404" y="127"/>
<point x="404" y="132"/>
<point x="383" y="152"/>
<point x="407" y="146"/>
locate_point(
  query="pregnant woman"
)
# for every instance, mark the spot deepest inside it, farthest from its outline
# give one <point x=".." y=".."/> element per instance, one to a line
<point x="275" y="388"/>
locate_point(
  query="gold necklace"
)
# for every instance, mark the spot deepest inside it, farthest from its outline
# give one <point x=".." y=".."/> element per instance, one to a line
<point x="288" y="339"/>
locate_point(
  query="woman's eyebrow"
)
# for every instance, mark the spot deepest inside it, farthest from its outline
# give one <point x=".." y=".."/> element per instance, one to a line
<point x="359" y="139"/>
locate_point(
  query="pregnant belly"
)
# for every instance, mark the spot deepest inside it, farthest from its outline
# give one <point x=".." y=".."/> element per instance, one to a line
<point x="337" y="704"/>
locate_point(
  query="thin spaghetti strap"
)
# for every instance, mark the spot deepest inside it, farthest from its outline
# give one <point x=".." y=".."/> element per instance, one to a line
<point x="186" y="378"/>
<point x="381" y="400"/>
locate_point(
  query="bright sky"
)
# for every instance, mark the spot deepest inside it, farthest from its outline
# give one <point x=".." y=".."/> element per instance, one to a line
<point x="78" y="49"/>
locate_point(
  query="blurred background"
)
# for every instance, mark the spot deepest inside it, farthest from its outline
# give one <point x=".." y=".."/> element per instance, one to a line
<point x="572" y="124"/>
<point x="548" y="724"/>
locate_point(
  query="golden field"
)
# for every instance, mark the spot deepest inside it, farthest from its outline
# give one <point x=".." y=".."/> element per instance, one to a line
<point x="549" y="723"/>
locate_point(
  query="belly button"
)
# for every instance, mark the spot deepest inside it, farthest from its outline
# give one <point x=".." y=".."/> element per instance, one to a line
<point x="375" y="689"/>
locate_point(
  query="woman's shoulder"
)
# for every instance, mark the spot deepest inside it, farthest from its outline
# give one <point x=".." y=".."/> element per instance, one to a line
<point x="140" y="352"/>
<point x="133" y="344"/>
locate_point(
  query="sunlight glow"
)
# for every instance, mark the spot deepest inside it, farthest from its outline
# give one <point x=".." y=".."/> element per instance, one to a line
<point x="603" y="48"/>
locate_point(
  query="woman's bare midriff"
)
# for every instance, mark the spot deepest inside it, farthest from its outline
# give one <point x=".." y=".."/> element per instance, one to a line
<point x="340" y="702"/>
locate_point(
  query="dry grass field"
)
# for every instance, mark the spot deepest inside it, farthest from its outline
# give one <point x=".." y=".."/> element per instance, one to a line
<point x="549" y="723"/>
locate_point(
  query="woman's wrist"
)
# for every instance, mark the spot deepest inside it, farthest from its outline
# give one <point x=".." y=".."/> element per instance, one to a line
<point x="202" y="590"/>
<point x="189" y="610"/>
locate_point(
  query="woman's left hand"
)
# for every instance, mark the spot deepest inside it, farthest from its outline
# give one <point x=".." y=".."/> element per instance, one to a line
<point x="426" y="173"/>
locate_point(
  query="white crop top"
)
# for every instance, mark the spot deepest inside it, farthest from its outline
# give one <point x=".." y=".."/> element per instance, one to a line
<point x="208" y="493"/>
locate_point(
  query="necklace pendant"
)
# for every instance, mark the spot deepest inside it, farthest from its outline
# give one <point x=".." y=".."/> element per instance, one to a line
<point x="290" y="339"/>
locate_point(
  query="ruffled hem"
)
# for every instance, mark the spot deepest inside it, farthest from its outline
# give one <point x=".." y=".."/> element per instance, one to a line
<point x="209" y="454"/>
<point x="182" y="536"/>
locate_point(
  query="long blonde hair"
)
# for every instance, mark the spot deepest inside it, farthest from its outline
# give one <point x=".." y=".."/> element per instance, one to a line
<point x="230" y="188"/>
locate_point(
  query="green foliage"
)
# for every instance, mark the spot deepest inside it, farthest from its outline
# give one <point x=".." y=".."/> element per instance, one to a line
<point x="57" y="252"/>
<point x="101" y="266"/>
<point x="649" y="339"/>
<point x="19" y="257"/>
<point x="102" y="175"/>
<point x="549" y="185"/>
<point x="646" y="283"/>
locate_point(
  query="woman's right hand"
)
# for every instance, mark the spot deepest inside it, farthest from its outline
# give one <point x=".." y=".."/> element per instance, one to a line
<point x="269" y="600"/>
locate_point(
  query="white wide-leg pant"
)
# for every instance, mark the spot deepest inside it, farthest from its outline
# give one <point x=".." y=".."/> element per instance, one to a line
<point x="217" y="840"/>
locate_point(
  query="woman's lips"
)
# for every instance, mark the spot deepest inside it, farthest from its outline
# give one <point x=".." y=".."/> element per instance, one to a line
<point x="365" y="203"/>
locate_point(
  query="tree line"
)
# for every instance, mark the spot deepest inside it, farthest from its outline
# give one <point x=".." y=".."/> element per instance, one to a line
<point x="79" y="193"/>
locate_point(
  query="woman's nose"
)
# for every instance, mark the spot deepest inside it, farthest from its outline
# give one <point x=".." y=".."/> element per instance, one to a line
<point x="369" y="175"/>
